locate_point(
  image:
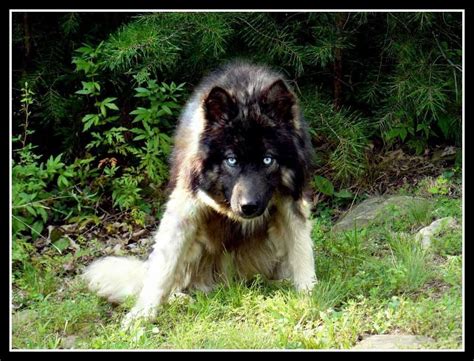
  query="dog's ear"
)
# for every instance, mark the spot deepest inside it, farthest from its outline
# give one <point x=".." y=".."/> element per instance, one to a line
<point x="277" y="101"/>
<point x="219" y="106"/>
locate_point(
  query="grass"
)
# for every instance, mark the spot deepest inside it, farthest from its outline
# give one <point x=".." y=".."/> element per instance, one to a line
<point x="373" y="280"/>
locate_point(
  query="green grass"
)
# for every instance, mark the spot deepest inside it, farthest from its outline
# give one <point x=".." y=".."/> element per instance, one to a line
<point x="373" y="280"/>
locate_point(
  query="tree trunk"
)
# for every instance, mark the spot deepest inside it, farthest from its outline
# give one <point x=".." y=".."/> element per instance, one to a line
<point x="337" y="65"/>
<point x="26" y="40"/>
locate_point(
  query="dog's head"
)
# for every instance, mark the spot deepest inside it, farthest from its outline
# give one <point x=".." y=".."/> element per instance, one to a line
<point x="252" y="146"/>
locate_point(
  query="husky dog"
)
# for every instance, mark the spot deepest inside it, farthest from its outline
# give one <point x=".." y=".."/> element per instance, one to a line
<point x="239" y="182"/>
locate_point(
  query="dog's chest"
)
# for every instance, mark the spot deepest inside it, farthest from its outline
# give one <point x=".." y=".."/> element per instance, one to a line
<point x="218" y="233"/>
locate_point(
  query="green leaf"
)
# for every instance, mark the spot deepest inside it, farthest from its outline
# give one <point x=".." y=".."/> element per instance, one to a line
<point x="392" y="133"/>
<point x="68" y="173"/>
<point x="83" y="92"/>
<point x="161" y="112"/>
<point x="445" y="124"/>
<point x="31" y="210"/>
<point x="142" y="92"/>
<point x="403" y="133"/>
<point x="81" y="64"/>
<point x="62" y="180"/>
<point x="108" y="103"/>
<point x="37" y="228"/>
<point x="86" y="49"/>
<point x="324" y="185"/>
<point x="140" y="137"/>
<point x="18" y="224"/>
<point x="61" y="245"/>
<point x="448" y="174"/>
<point x="108" y="100"/>
<point x="343" y="193"/>
<point x="89" y="120"/>
<point x="165" y="137"/>
<point x="167" y="109"/>
<point x="112" y="118"/>
<point x="111" y="106"/>
<point x="42" y="212"/>
<point x="88" y="117"/>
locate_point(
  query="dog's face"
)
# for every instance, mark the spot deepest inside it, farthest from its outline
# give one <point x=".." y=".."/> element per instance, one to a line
<point x="249" y="175"/>
<point x="247" y="151"/>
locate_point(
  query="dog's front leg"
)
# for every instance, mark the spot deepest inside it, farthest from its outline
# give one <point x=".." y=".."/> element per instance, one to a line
<point x="300" y="247"/>
<point x="176" y="231"/>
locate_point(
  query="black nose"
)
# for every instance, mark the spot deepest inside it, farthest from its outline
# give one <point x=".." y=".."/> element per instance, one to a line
<point x="249" y="209"/>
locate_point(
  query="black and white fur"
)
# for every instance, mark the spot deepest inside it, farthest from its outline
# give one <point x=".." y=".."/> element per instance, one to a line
<point x="239" y="174"/>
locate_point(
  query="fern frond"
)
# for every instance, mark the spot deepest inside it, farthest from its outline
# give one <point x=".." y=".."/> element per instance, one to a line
<point x="261" y="32"/>
<point x="136" y="42"/>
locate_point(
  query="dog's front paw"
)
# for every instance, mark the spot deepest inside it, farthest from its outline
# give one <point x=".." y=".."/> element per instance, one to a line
<point x="138" y="316"/>
<point x="306" y="285"/>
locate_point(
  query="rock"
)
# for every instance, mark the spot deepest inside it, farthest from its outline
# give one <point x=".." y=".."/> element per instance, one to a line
<point x="117" y="250"/>
<point x="155" y="330"/>
<point x="69" y="342"/>
<point x="23" y="317"/>
<point x="145" y="241"/>
<point x="425" y="234"/>
<point x="117" y="225"/>
<point x="138" y="233"/>
<point x="180" y="297"/>
<point x="54" y="233"/>
<point x="444" y="154"/>
<point x="369" y="210"/>
<point x="393" y="342"/>
<point x="70" y="228"/>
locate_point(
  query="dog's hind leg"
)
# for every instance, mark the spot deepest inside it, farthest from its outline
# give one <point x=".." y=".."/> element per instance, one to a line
<point x="175" y="234"/>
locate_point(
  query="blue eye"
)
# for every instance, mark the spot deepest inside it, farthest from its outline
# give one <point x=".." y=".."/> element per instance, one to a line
<point x="231" y="161"/>
<point x="267" y="160"/>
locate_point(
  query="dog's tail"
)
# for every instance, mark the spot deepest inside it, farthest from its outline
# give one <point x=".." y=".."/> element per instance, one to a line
<point x="115" y="278"/>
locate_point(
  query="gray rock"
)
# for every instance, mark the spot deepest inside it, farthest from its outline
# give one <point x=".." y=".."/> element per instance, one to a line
<point x="117" y="250"/>
<point x="425" y="234"/>
<point x="23" y="317"/>
<point x="393" y="342"/>
<point x="69" y="342"/>
<point x="373" y="208"/>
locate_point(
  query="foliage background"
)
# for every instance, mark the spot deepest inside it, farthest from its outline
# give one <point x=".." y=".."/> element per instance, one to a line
<point x="96" y="97"/>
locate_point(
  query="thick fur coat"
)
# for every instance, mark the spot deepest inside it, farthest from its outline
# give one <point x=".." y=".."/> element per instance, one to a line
<point x="239" y="173"/>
